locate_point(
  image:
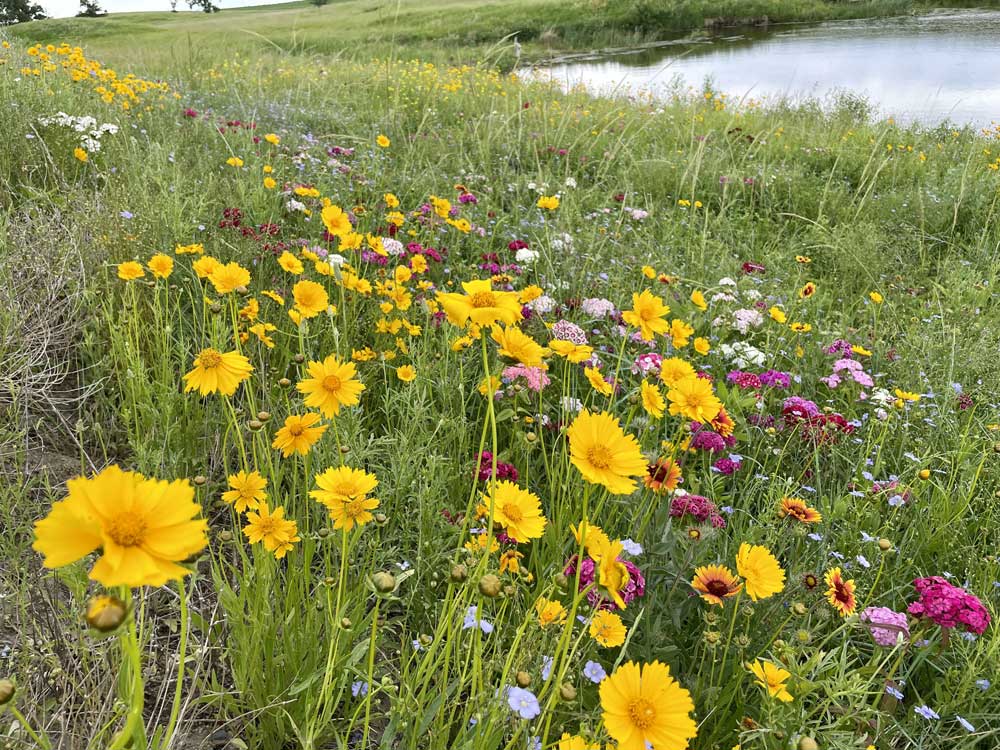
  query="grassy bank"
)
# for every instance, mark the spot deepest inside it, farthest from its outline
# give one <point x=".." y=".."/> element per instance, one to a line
<point x="452" y="31"/>
<point x="831" y="281"/>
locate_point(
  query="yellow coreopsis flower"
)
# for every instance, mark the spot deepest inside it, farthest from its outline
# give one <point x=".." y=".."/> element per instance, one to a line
<point x="80" y="154"/>
<point x="674" y="370"/>
<point x="310" y="298"/>
<point x="692" y="398"/>
<point x="652" y="400"/>
<point x="331" y="385"/>
<point x="644" y="706"/>
<point x="603" y="453"/>
<point x="161" y="266"/>
<point x="698" y="299"/>
<point x="229" y="277"/>
<point x="763" y="575"/>
<point x="680" y="332"/>
<point x="647" y="314"/>
<point x="772" y="678"/>
<point x="290" y="263"/>
<point x="336" y="221"/>
<point x="299" y="434"/>
<point x="406" y="373"/>
<point x="597" y="381"/>
<point x="246" y="491"/>
<point x="205" y="266"/>
<point x="345" y="493"/>
<point x="550" y="612"/>
<point x="572" y="352"/>
<point x="130" y="271"/>
<point x="143" y="527"/>
<point x="778" y="315"/>
<point x="607" y="629"/>
<point x="383" y="141"/>
<point x="277" y="533"/>
<point x="702" y="346"/>
<point x="517" y="510"/>
<point x="548" y="202"/>
<point x="875" y="297"/>
<point x="480" y="304"/>
<point x="215" y="372"/>
<point x="516" y="344"/>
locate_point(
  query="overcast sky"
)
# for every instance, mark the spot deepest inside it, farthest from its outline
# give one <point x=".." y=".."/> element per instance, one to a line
<point x="64" y="8"/>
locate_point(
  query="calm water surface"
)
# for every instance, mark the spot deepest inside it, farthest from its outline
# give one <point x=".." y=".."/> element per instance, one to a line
<point x="928" y="68"/>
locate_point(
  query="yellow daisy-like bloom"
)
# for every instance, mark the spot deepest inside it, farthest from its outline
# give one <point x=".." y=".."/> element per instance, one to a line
<point x="646" y="705"/>
<point x="698" y="300"/>
<point x="336" y="221"/>
<point x="130" y="271"/>
<point x="840" y="593"/>
<point x="229" y="277"/>
<point x="772" y="678"/>
<point x="807" y="291"/>
<point x="715" y="583"/>
<point x="382" y="141"/>
<point x="205" y="266"/>
<point x="310" y="298"/>
<point x="514" y="343"/>
<point x="603" y="453"/>
<point x="548" y="202"/>
<point x="597" y="381"/>
<point x="778" y="315"/>
<point x="663" y="475"/>
<point x="143" y="527"/>
<point x="572" y="352"/>
<point x="607" y="629"/>
<point x="906" y="395"/>
<point x="674" y="370"/>
<point x="875" y="297"/>
<point x="517" y="510"/>
<point x="299" y="434"/>
<point x="215" y="372"/>
<point x="702" y="346"/>
<point x="797" y="509"/>
<point x="344" y="491"/>
<point x="331" y="386"/>
<point x="80" y="155"/>
<point x="680" y="332"/>
<point x="800" y="327"/>
<point x="760" y="569"/>
<point x="652" y="400"/>
<point x="612" y="575"/>
<point x="480" y="304"/>
<point x="272" y="528"/>
<point x="693" y="398"/>
<point x="550" y="612"/>
<point x="247" y="491"/>
<point x="647" y="314"/>
<point x="161" y="266"/>
<point x="592" y="537"/>
<point x="406" y="373"/>
<point x="290" y="263"/>
<point x="576" y="742"/>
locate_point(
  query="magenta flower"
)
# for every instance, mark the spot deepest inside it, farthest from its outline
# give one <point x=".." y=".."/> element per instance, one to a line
<point x="949" y="606"/>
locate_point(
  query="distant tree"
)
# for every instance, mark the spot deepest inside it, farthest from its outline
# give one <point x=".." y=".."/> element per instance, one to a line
<point x="18" y="11"/>
<point x="319" y="3"/>
<point x="90" y="9"/>
<point x="206" y="5"/>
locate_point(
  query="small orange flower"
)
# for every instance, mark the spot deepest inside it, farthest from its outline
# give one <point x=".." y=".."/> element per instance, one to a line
<point x="840" y="593"/>
<point x="663" y="476"/>
<point x="796" y="508"/>
<point x="715" y="583"/>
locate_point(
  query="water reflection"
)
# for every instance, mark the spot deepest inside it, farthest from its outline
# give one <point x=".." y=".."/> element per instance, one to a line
<point x="928" y="68"/>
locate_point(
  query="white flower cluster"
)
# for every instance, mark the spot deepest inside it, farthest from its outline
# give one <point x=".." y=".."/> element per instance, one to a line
<point x="90" y="132"/>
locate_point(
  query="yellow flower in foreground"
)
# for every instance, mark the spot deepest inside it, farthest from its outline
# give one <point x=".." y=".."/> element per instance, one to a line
<point x="646" y="705"/>
<point x="772" y="678"/>
<point x="276" y="532"/>
<point x="674" y="370"/>
<point x="336" y="221"/>
<point x="607" y="629"/>
<point x="576" y="742"/>
<point x="550" y="612"/>
<point x="246" y="490"/>
<point x="612" y="575"/>
<point x="516" y="344"/>
<point x="298" y="434"/>
<point x="597" y="381"/>
<point x="572" y="352"/>
<point x="680" y="333"/>
<point x="331" y="385"/>
<point x="480" y="304"/>
<point x="130" y="271"/>
<point x="273" y="138"/>
<point x="517" y="510"/>
<point x="344" y="491"/>
<point x="548" y="202"/>
<point x="698" y="300"/>
<point x="692" y="398"/>
<point x="143" y="527"/>
<point x="215" y="372"/>
<point x="702" y="346"/>
<point x="647" y="314"/>
<point x="604" y="453"/>
<point x="229" y="277"/>
<point x="310" y="298"/>
<point x="161" y="266"/>
<point x="406" y="373"/>
<point x="875" y="297"/>
<point x="270" y="183"/>
<point x="764" y="576"/>
<point x="80" y="154"/>
<point x="652" y="400"/>
<point x="777" y="315"/>
<point x="205" y="266"/>
<point x="290" y="263"/>
<point x="840" y="593"/>
<point x="382" y="141"/>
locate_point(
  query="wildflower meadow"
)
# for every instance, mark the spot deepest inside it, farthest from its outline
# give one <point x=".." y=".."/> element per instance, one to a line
<point x="365" y="401"/>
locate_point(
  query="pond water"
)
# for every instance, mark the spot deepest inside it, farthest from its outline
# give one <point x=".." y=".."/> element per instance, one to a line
<point x="926" y="68"/>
